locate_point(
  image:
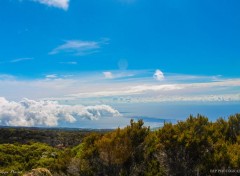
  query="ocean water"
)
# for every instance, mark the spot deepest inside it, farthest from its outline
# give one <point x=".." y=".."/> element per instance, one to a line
<point x="155" y="114"/>
<point x="180" y="110"/>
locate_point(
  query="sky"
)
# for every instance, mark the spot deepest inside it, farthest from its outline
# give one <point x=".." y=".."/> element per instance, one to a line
<point x="99" y="63"/>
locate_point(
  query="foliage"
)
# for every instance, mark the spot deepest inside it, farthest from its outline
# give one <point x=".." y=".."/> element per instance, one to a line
<point x="21" y="158"/>
<point x="53" y="137"/>
<point x="39" y="172"/>
<point x="190" y="147"/>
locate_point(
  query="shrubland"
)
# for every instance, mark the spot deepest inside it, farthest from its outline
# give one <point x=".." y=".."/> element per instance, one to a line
<point x="190" y="147"/>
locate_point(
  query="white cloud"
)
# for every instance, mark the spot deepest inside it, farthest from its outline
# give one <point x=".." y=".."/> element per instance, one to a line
<point x="179" y="98"/>
<point x="17" y="60"/>
<point x="77" y="47"/>
<point x="158" y="75"/>
<point x="6" y="77"/>
<point x="69" y="63"/>
<point x="108" y="75"/>
<point x="130" y="90"/>
<point x="120" y="74"/>
<point x="21" y="59"/>
<point x="51" y="76"/>
<point x="48" y="113"/>
<point x="95" y="87"/>
<point x="63" y="4"/>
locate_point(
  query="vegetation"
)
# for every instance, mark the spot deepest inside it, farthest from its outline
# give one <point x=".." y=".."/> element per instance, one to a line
<point x="54" y="137"/>
<point x="192" y="147"/>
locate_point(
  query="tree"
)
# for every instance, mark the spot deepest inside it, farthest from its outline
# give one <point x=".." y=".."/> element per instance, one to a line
<point x="233" y="127"/>
<point x="114" y="150"/>
<point x="186" y="145"/>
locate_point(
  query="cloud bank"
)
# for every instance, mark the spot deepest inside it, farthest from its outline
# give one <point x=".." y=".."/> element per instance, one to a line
<point x="98" y="88"/>
<point x="48" y="113"/>
<point x="63" y="4"/>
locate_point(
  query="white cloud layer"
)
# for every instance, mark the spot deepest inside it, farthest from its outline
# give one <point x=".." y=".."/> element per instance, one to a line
<point x="48" y="113"/>
<point x="63" y="4"/>
<point x="130" y="90"/>
<point x="158" y="75"/>
<point x="96" y="89"/>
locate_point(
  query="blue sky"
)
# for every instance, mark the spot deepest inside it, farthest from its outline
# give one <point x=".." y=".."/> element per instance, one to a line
<point x="122" y="53"/>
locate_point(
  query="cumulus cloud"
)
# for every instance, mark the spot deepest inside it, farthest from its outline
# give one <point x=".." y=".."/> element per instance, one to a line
<point x="158" y="75"/>
<point x="77" y="47"/>
<point x="48" y="113"/>
<point x="63" y="4"/>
